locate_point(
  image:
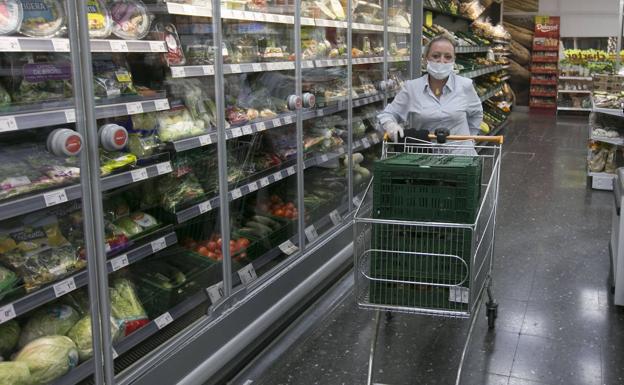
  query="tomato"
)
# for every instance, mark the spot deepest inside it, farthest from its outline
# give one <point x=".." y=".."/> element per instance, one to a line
<point x="219" y="243"/>
<point x="203" y="251"/>
<point x="279" y="212"/>
<point x="290" y="205"/>
<point x="242" y="243"/>
<point x="233" y="249"/>
<point x="212" y="246"/>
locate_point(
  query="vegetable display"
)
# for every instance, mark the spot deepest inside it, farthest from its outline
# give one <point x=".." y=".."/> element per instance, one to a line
<point x="211" y="247"/>
<point x="126" y="308"/>
<point x="82" y="336"/>
<point x="14" y="373"/>
<point x="9" y="336"/>
<point x="47" y="321"/>
<point x="48" y="358"/>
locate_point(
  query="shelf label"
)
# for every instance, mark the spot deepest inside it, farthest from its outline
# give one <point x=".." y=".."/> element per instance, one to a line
<point x="277" y="122"/>
<point x="236" y="193"/>
<point x="115" y="354"/>
<point x="324" y="158"/>
<point x="8" y="123"/>
<point x="55" y="197"/>
<point x="134" y="108"/>
<point x="60" y="45"/>
<point x="256" y="67"/>
<point x="247" y="130"/>
<point x="260" y="126"/>
<point x="118" y="46"/>
<point x="163" y="320"/>
<point x="335" y="217"/>
<point x="311" y="233"/>
<point x="264" y="182"/>
<point x="459" y="294"/>
<point x="119" y="262"/>
<point x="158" y="244"/>
<point x="341" y="150"/>
<point x="161" y="104"/>
<point x="178" y="72"/>
<point x="204" y="207"/>
<point x="215" y="292"/>
<point x="288" y="247"/>
<point x="288" y="119"/>
<point x="139" y="175"/>
<point x="9" y="44"/>
<point x="235" y="68"/>
<point x="253" y="186"/>
<point x="7" y="313"/>
<point x="164" y="168"/>
<point x="208" y="70"/>
<point x="357" y="201"/>
<point x="290" y="170"/>
<point x="236" y="132"/>
<point x="247" y="274"/>
<point x="66" y="286"/>
<point x="204" y="140"/>
<point x="157" y="46"/>
<point x="70" y="115"/>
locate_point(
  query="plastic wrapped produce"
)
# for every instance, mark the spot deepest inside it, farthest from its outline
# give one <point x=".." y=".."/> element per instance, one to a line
<point x="11" y="15"/>
<point x="38" y="77"/>
<point x="131" y="19"/>
<point x="126" y="308"/>
<point x="47" y="321"/>
<point x="8" y="280"/>
<point x="83" y="338"/>
<point x="178" y="124"/>
<point x="112" y="161"/>
<point x="169" y="34"/>
<point x="176" y="192"/>
<point x="111" y="77"/>
<point x="48" y="358"/>
<point x="42" y="18"/>
<point x="14" y="373"/>
<point x="9" y="335"/>
<point x="100" y="22"/>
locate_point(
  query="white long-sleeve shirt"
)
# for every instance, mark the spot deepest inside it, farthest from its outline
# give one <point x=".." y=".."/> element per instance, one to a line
<point x="459" y="108"/>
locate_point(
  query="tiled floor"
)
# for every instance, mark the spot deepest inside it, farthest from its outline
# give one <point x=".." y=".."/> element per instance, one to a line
<point x="556" y="324"/>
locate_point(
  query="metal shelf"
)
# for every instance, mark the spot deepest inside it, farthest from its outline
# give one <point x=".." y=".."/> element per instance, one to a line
<point x="248" y="188"/>
<point x="471" y="49"/>
<point x="29" y="44"/>
<point x="573" y="109"/>
<point x="481" y="71"/>
<point x="490" y="93"/>
<point x="574" y="91"/>
<point x="54" y="197"/>
<point x="75" y="281"/>
<point x="445" y="13"/>
<point x="615" y="141"/>
<point x="608" y="111"/>
<point x="588" y="78"/>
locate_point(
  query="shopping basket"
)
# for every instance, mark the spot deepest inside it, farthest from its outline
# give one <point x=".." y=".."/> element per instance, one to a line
<point x="424" y="231"/>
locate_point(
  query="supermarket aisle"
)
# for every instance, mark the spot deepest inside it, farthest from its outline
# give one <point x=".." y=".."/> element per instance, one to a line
<point x="555" y="324"/>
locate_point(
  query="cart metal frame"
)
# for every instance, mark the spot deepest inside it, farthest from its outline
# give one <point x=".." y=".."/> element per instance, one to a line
<point x="466" y="280"/>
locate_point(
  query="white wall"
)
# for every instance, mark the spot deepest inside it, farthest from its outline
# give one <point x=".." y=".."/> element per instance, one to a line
<point x="583" y="18"/>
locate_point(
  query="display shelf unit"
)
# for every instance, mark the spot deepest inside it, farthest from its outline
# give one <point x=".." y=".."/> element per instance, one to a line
<point x="28" y="44"/>
<point x="544" y="63"/>
<point x="574" y="91"/>
<point x="491" y="93"/>
<point x="561" y="108"/>
<point x="602" y="180"/>
<point x="481" y="71"/>
<point x="454" y="16"/>
<point x="587" y="78"/>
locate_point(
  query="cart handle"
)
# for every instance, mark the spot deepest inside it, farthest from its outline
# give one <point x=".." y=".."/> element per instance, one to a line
<point x="477" y="138"/>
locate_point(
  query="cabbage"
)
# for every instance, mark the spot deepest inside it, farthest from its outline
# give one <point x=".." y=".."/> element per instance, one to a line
<point x="82" y="336"/>
<point x="9" y="334"/>
<point x="14" y="373"/>
<point x="48" y="358"/>
<point x="48" y="321"/>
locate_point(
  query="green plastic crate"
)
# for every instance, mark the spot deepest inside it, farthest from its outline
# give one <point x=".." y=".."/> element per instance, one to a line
<point x="427" y="188"/>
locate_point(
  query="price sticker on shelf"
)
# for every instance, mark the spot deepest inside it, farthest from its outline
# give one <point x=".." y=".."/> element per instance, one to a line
<point x="324" y="158"/>
<point x="290" y="170"/>
<point x="264" y="182"/>
<point x="260" y="126"/>
<point x="161" y="104"/>
<point x="247" y="274"/>
<point x="204" y="207"/>
<point x="235" y="68"/>
<point x="60" y="45"/>
<point x="311" y="233"/>
<point x="178" y="72"/>
<point x="253" y="186"/>
<point x="288" y="247"/>
<point x="215" y="292"/>
<point x="288" y="119"/>
<point x="118" y="46"/>
<point x="335" y="217"/>
<point x="119" y="262"/>
<point x="236" y="193"/>
<point x="256" y="67"/>
<point x="9" y="44"/>
<point x="240" y="15"/>
<point x="204" y="140"/>
<point x="7" y="123"/>
<point x="115" y="354"/>
<point x="66" y="286"/>
<point x="7" y="313"/>
<point x="357" y="201"/>
<point x="55" y="197"/>
<point x="157" y="46"/>
<point x="139" y="175"/>
<point x="164" y="168"/>
<point x="247" y="130"/>
<point x="276" y="122"/>
<point x="236" y="132"/>
<point x="208" y="70"/>
<point x="158" y="244"/>
<point x="134" y="108"/>
<point x="70" y="115"/>
<point x="163" y="320"/>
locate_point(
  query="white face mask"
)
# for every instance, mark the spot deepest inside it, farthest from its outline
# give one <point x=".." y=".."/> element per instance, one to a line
<point x="439" y="71"/>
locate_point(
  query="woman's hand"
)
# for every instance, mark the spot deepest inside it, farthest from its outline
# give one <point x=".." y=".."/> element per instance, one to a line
<point x="394" y="130"/>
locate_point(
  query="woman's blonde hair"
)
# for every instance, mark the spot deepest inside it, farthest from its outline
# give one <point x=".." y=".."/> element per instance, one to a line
<point x="442" y="37"/>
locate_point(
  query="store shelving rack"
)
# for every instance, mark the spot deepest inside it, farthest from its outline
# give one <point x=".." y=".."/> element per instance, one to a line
<point x="603" y="180"/>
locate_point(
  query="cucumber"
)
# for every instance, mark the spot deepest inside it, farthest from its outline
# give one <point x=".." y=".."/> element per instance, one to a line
<point x="250" y="231"/>
<point x="266" y="221"/>
<point x="265" y="230"/>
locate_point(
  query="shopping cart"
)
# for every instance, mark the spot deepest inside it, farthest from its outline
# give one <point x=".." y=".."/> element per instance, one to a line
<point x="440" y="265"/>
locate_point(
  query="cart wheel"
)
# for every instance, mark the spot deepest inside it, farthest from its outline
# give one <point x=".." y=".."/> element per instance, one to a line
<point x="492" y="314"/>
<point x="388" y="316"/>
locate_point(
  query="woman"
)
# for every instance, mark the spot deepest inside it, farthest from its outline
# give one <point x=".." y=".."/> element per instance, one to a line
<point x="439" y="99"/>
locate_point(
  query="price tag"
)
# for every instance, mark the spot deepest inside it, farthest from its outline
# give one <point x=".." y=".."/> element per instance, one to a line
<point x="115" y="354"/>
<point x="235" y="68"/>
<point x="357" y="201"/>
<point x="204" y="140"/>
<point x="7" y="313"/>
<point x="256" y="67"/>
<point x="290" y="170"/>
<point x="260" y="16"/>
<point x="9" y="44"/>
<point x="253" y="186"/>
<point x="247" y="130"/>
<point x="264" y="182"/>
<point x="459" y="294"/>
<point x="288" y="119"/>
<point x="324" y="158"/>
<point x="161" y="104"/>
<point x="311" y="233"/>
<point x="7" y="123"/>
<point x="247" y="274"/>
<point x="236" y="132"/>
<point x="288" y="247"/>
<point x="158" y="244"/>
<point x="157" y="46"/>
<point x="215" y="292"/>
<point x="365" y="142"/>
<point x="335" y="217"/>
<point x="163" y="320"/>
<point x="134" y="108"/>
<point x="118" y="46"/>
<point x="260" y="126"/>
<point x="236" y="194"/>
<point x="60" y="45"/>
<point x="164" y="168"/>
<point x="139" y="175"/>
<point x="238" y="15"/>
<point x="277" y="122"/>
<point x="285" y="19"/>
<point x="119" y="262"/>
<point x="187" y="9"/>
<point x="55" y="197"/>
<point x="204" y="207"/>
<point x="70" y="115"/>
<point x="178" y="72"/>
<point x="66" y="286"/>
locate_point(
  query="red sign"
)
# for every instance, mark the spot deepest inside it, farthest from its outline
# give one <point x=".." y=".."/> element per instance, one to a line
<point x="547" y="26"/>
